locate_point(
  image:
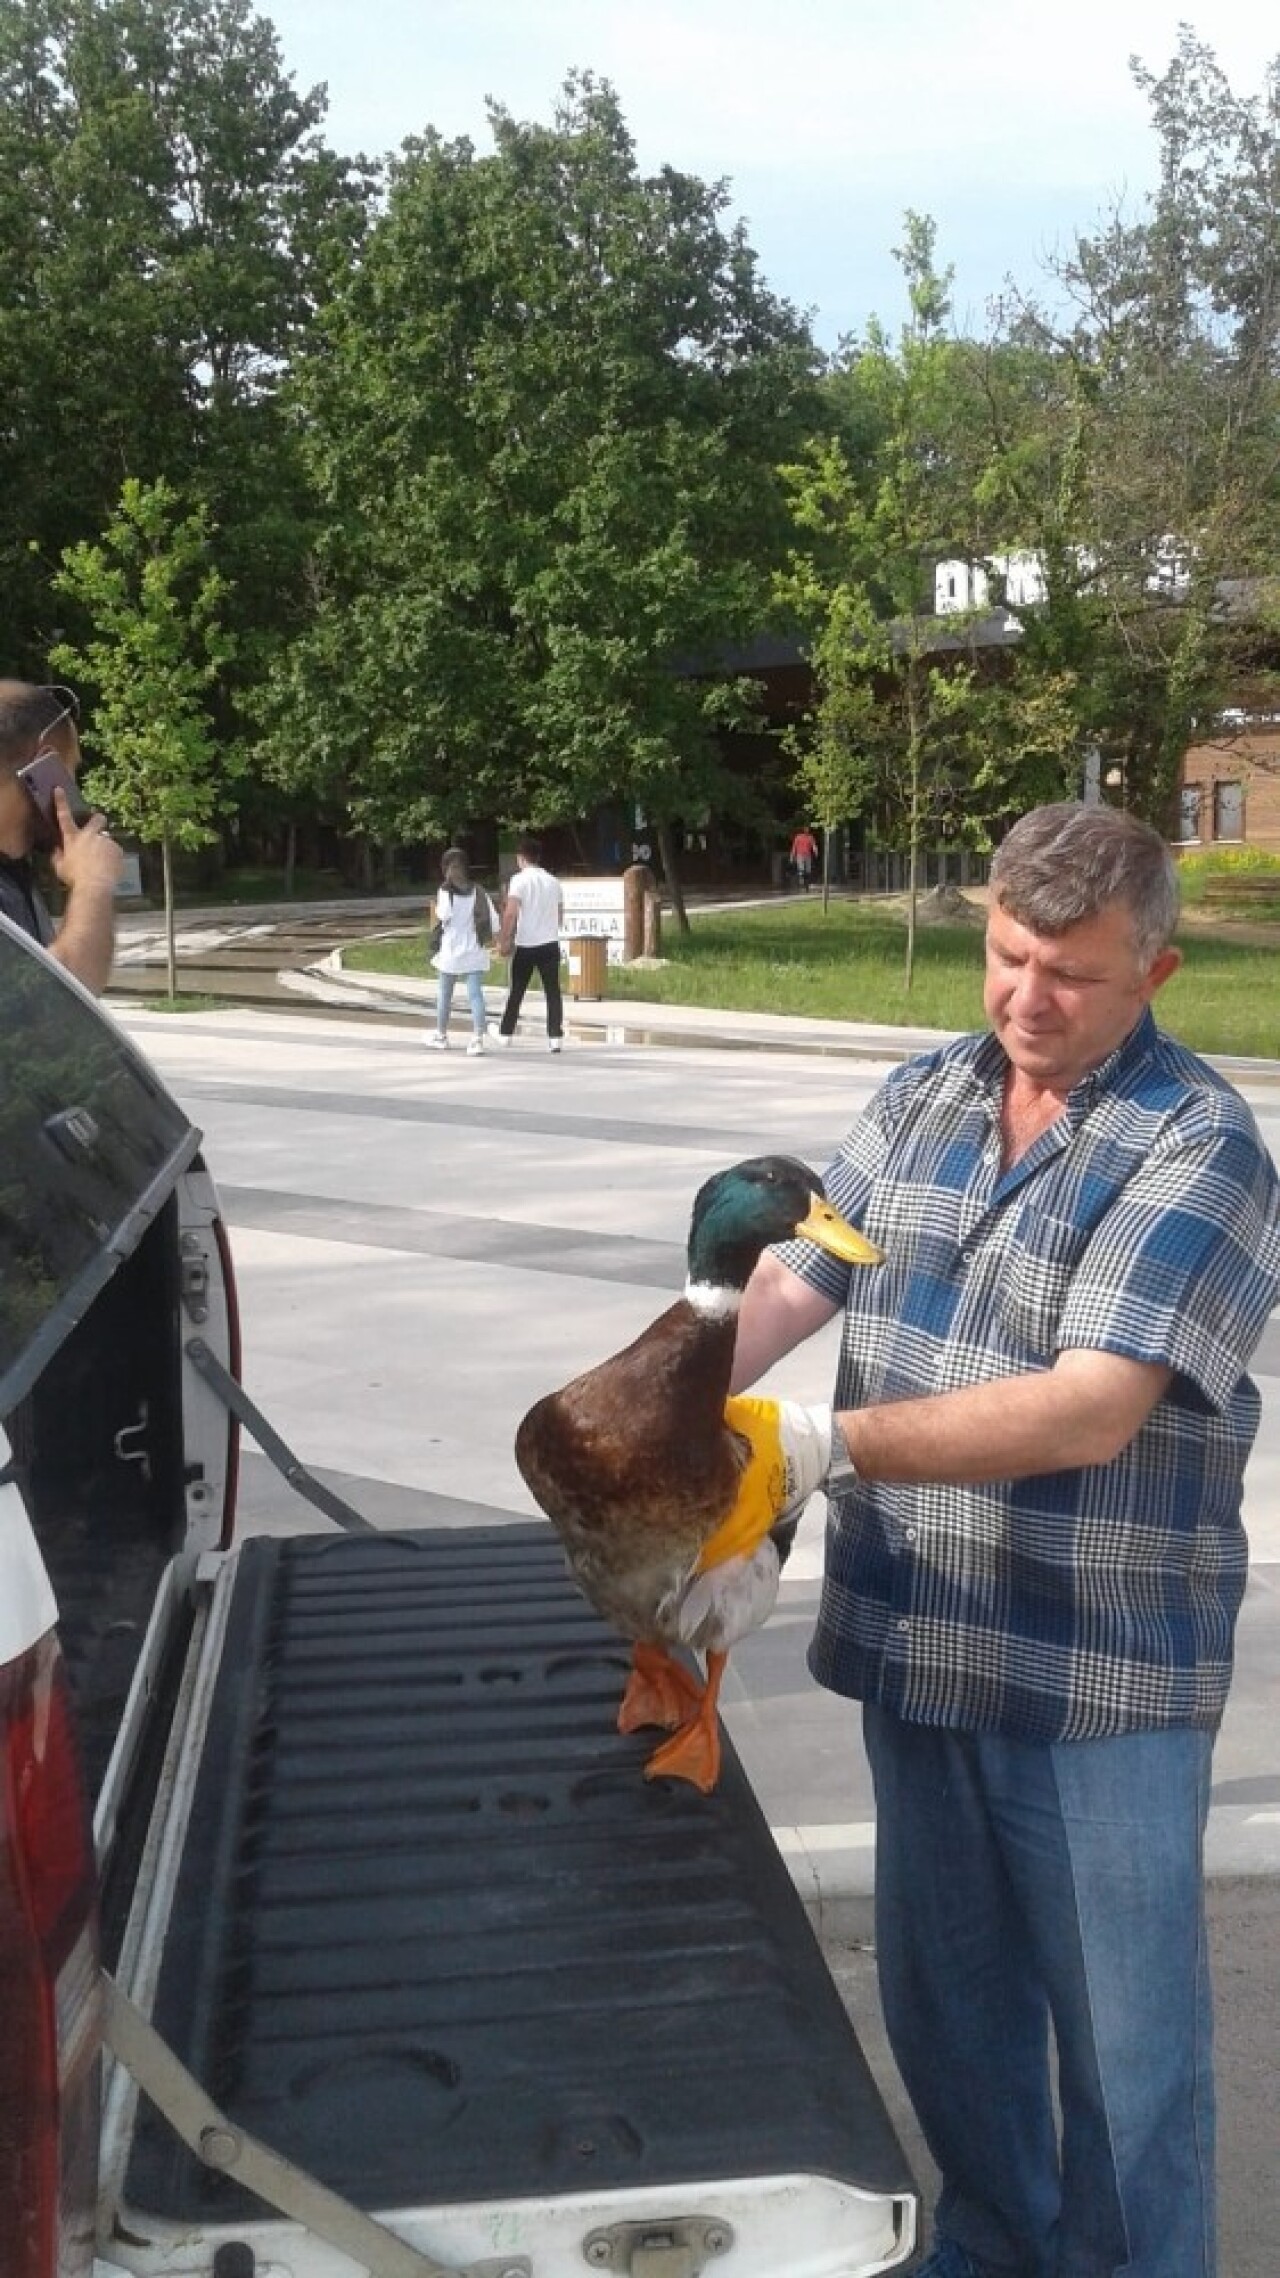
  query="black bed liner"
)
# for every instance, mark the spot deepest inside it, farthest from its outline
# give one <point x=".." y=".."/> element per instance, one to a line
<point x="438" y="1940"/>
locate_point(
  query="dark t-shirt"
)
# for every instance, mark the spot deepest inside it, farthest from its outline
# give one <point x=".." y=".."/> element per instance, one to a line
<point x="21" y="900"/>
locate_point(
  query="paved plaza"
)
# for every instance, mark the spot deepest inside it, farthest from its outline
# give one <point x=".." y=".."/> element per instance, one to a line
<point x="425" y="1243"/>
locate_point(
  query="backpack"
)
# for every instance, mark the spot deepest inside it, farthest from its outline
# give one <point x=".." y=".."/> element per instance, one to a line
<point x="482" y="918"/>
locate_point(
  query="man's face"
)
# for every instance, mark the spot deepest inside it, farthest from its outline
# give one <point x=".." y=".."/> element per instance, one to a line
<point x="1060" y="1003"/>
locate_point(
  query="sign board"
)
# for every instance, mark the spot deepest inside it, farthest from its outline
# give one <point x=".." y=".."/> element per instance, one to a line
<point x="129" y="882"/>
<point x="594" y="905"/>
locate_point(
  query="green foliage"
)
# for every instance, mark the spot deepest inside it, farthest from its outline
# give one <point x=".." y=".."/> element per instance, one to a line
<point x="543" y="417"/>
<point x="1158" y="406"/>
<point x="918" y="735"/>
<point x="157" y="645"/>
<point x="1226" y="861"/>
<point x="169" y="217"/>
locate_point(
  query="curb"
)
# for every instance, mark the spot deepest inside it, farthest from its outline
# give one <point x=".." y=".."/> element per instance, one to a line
<point x="616" y="1021"/>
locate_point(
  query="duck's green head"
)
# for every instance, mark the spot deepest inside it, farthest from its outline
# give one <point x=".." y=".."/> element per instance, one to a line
<point x="766" y="1199"/>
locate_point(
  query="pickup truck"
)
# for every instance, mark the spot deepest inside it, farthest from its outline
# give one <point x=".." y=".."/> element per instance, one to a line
<point x="339" y="1932"/>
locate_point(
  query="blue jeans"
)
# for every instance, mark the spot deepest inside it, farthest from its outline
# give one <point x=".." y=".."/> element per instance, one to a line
<point x="1020" y="1886"/>
<point x="444" y="999"/>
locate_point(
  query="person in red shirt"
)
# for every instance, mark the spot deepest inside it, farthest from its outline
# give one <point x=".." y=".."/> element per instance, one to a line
<point x="804" y="853"/>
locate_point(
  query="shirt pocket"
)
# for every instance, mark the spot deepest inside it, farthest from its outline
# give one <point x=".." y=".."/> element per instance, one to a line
<point x="1035" y="1286"/>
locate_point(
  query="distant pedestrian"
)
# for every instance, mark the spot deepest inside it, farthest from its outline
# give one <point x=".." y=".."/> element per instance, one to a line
<point x="465" y="924"/>
<point x="804" y="853"/>
<point x="532" y="917"/>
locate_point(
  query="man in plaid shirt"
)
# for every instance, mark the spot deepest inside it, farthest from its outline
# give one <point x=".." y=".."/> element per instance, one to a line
<point x="1035" y="1557"/>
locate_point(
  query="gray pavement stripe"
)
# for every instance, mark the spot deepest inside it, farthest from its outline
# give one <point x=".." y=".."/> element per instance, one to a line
<point x="728" y="1146"/>
<point x="624" y="1258"/>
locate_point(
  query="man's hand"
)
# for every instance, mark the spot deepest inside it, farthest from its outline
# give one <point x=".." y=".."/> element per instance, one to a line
<point x="89" y="863"/>
<point x="792" y="1443"/>
<point x="87" y="856"/>
<point x="791" y="1449"/>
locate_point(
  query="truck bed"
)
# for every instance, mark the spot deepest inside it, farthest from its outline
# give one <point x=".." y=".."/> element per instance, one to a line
<point x="438" y="1940"/>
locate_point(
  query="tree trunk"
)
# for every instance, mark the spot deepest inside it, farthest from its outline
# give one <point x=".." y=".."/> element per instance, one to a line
<point x="826" y="868"/>
<point x="671" y="875"/>
<point x="913" y="769"/>
<point x="170" y="931"/>
<point x="290" y="857"/>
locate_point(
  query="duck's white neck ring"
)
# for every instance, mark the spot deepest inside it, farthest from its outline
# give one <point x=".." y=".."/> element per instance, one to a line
<point x="712" y="1301"/>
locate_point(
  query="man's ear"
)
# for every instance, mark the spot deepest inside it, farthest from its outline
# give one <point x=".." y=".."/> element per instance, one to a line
<point x="1160" y="970"/>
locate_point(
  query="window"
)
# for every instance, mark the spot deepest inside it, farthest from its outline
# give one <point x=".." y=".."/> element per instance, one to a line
<point x="1228" y="810"/>
<point x="1189" y="815"/>
<point x="89" y="1146"/>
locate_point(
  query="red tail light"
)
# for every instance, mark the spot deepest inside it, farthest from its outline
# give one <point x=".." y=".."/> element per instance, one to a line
<point x="48" y="1979"/>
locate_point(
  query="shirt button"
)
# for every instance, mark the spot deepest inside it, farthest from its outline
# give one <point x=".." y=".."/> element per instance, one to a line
<point x="910" y="1533"/>
<point x="904" y="1625"/>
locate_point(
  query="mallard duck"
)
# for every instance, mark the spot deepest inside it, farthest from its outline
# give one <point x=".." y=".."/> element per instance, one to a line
<point x="640" y="1466"/>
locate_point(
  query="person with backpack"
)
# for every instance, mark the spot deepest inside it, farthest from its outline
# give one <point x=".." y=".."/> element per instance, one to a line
<point x="465" y="924"/>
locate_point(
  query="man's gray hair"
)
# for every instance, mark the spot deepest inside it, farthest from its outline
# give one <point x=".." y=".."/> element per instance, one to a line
<point x="1066" y="862"/>
<point x="27" y="712"/>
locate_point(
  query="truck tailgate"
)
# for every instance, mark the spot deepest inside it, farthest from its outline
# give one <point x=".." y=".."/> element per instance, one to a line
<point x="437" y="1940"/>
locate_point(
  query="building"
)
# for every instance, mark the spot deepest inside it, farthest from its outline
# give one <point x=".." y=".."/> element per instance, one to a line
<point x="1231" y="784"/>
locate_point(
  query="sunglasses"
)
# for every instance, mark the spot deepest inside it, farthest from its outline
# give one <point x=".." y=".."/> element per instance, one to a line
<point x="69" y="701"/>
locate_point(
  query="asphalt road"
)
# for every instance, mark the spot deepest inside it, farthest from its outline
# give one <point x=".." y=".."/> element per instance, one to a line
<point x="425" y="1243"/>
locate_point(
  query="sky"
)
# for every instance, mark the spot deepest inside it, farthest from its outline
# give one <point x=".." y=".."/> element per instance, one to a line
<point x="1015" y="123"/>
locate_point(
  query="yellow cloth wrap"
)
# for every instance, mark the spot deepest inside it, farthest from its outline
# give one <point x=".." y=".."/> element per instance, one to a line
<point x="762" y="1490"/>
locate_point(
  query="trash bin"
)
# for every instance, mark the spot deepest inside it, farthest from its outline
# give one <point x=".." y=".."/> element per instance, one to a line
<point x="588" y="964"/>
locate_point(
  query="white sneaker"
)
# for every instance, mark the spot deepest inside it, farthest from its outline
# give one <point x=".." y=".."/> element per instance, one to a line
<point x="554" y="1043"/>
<point x="438" y="1043"/>
<point x="504" y="1041"/>
<point x="475" y="1048"/>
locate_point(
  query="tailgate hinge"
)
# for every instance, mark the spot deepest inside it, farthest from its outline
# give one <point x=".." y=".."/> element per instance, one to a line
<point x="216" y="2140"/>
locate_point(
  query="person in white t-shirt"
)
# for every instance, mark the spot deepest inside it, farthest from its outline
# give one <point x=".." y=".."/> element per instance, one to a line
<point x="467" y="921"/>
<point x="532" y="917"/>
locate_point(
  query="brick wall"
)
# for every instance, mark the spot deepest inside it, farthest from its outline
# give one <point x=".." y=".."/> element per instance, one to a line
<point x="1231" y="792"/>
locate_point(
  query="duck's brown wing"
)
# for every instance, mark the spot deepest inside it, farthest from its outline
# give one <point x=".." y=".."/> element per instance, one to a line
<point x="634" y="1468"/>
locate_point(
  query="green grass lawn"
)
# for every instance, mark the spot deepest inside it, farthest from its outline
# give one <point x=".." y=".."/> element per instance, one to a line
<point x="847" y="964"/>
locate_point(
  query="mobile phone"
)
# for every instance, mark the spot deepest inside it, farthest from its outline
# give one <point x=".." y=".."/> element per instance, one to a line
<point x="40" y="778"/>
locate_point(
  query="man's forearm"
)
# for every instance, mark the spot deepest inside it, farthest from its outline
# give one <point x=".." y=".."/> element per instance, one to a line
<point x="1082" y="1411"/>
<point x="85" y="941"/>
<point x="778" y="1312"/>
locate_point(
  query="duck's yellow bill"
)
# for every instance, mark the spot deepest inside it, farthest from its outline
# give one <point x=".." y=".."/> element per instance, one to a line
<point x="831" y="1232"/>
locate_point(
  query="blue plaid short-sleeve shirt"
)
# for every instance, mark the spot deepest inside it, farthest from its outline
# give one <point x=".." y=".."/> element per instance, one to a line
<point x="1145" y="1222"/>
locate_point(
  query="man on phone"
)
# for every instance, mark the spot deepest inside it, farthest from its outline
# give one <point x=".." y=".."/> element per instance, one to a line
<point x="41" y="812"/>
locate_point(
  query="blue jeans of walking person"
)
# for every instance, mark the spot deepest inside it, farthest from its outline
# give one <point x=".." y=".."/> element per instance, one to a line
<point x="444" y="1000"/>
<point x="1022" y="1887"/>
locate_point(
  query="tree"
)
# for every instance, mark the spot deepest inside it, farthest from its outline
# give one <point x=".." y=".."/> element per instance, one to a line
<point x="904" y="720"/>
<point x="1152" y="410"/>
<point x="169" y="219"/>
<point x="543" y="417"/>
<point x="154" y="655"/>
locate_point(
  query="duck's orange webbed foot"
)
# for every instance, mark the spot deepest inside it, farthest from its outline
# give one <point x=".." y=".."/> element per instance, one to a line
<point x="693" y="1753"/>
<point x="658" y="1692"/>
